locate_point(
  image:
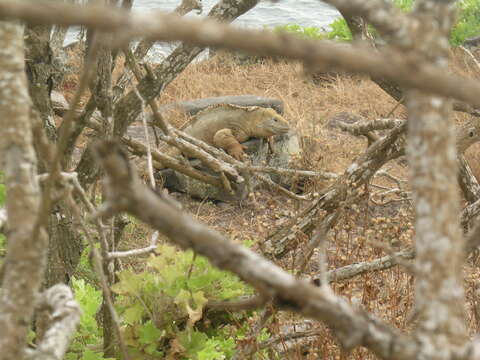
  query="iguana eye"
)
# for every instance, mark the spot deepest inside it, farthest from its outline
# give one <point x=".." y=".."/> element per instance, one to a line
<point x="275" y="119"/>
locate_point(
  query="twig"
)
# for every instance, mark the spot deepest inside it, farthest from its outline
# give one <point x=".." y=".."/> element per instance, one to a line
<point x="98" y="267"/>
<point x="241" y="304"/>
<point x="389" y="176"/>
<point x="217" y="153"/>
<point x="363" y="128"/>
<point x="293" y="172"/>
<point x="281" y="189"/>
<point x="404" y="195"/>
<point x="147" y="140"/>
<point x="133" y="65"/>
<point x="469" y="213"/>
<point x="135" y="252"/>
<point x="168" y="161"/>
<point x="251" y="347"/>
<point x="469" y="53"/>
<point x="205" y="157"/>
<point x="319" y="237"/>
<point x="382" y="263"/>
<point x="287" y="337"/>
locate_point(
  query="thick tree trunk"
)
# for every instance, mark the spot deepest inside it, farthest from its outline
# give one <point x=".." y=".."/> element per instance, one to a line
<point x="65" y="248"/>
<point x="65" y="245"/>
<point x="40" y="72"/>
<point x="27" y="244"/>
<point x="439" y="295"/>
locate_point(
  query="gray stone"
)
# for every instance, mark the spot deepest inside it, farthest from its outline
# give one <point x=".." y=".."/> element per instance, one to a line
<point x="59" y="103"/>
<point x="191" y="107"/>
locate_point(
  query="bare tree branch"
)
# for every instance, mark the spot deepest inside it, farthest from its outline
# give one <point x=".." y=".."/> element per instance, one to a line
<point x="347" y="185"/>
<point x="64" y="317"/>
<point x="432" y="160"/>
<point x="353" y="328"/>
<point x="135" y="252"/>
<point x="383" y="263"/>
<point x="27" y="249"/>
<point x="382" y="14"/>
<point x="392" y="65"/>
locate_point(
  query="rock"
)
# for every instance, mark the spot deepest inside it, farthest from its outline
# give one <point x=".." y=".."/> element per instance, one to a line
<point x="191" y="107"/>
<point x="59" y="103"/>
<point x="472" y="42"/>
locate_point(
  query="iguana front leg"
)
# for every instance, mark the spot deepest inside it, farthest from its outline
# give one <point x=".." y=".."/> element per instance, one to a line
<point x="225" y="139"/>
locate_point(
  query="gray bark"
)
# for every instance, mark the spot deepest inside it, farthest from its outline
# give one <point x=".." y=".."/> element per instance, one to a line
<point x="27" y="244"/>
<point x="432" y="158"/>
<point x="41" y="73"/>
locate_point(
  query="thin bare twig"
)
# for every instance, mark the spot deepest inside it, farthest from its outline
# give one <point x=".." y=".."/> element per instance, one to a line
<point x="98" y="267"/>
<point x="135" y="252"/>
<point x="365" y="127"/>
<point x="281" y="189"/>
<point x="469" y="53"/>
<point x="251" y="347"/>
<point x="293" y="172"/>
<point x="147" y="140"/>
<point x="287" y="337"/>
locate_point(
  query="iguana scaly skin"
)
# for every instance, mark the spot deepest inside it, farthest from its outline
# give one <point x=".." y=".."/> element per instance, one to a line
<point x="226" y="126"/>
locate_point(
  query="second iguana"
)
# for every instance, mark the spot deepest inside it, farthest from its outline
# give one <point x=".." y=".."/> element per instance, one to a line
<point x="226" y="126"/>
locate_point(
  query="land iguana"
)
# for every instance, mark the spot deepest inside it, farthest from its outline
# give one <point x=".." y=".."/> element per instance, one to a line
<point x="226" y="126"/>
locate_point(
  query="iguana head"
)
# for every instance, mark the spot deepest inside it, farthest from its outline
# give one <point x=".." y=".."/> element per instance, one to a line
<point x="267" y="122"/>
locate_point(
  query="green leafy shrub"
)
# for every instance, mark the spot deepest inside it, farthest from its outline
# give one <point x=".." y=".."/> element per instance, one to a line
<point x="468" y="23"/>
<point x="89" y="334"/>
<point x="468" y="19"/>
<point x="160" y="307"/>
<point x="309" y="32"/>
<point x="339" y="30"/>
<point x="405" y="5"/>
<point x="467" y="26"/>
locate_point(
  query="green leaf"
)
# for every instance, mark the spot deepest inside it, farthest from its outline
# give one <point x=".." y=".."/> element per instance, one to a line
<point x="152" y="350"/>
<point x="90" y="300"/>
<point x="149" y="333"/>
<point x="133" y="314"/>
<point x="129" y="283"/>
<point x="2" y="194"/>
<point x="91" y="355"/>
<point x="192" y="341"/>
<point x="210" y="352"/>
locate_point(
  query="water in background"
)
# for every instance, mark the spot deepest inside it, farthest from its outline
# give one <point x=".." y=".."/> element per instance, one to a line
<point x="269" y="13"/>
<point x="266" y="13"/>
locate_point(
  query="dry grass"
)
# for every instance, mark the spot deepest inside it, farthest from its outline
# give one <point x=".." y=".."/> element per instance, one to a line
<point x="364" y="230"/>
<point x="307" y="106"/>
